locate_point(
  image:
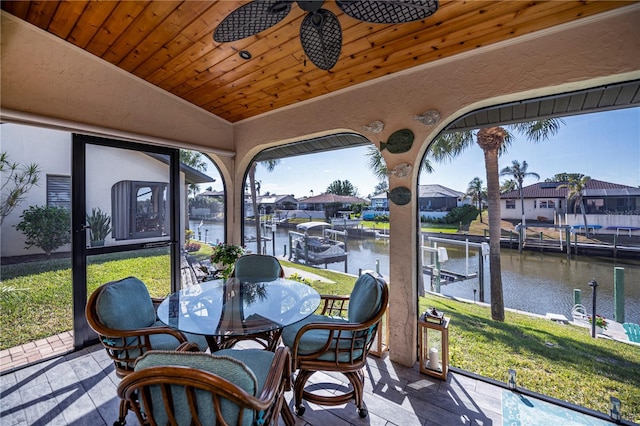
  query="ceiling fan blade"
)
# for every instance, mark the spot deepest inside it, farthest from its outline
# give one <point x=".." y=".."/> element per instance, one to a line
<point x="388" y="11"/>
<point x="321" y="38"/>
<point x="251" y="18"/>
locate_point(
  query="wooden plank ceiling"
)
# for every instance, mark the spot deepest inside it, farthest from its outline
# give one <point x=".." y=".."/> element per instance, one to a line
<point x="170" y="44"/>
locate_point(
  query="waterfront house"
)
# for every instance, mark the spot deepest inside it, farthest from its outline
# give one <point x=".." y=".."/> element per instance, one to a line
<point x="434" y="201"/>
<point x="608" y="206"/>
<point x="330" y="204"/>
<point x="437" y="200"/>
<point x="273" y="202"/>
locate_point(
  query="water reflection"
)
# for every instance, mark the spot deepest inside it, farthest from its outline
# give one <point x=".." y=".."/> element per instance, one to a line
<point x="532" y="282"/>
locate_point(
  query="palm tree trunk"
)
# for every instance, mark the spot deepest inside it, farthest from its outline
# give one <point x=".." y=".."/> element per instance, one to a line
<point x="254" y="203"/>
<point x="584" y="219"/>
<point x="490" y="141"/>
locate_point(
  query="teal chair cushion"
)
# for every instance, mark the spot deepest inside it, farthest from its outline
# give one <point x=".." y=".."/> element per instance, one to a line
<point x="126" y="305"/>
<point x="314" y="340"/>
<point x="225" y="366"/>
<point x="161" y="342"/>
<point x="633" y="331"/>
<point x="365" y="299"/>
<point x="257" y="360"/>
<point x="253" y="267"/>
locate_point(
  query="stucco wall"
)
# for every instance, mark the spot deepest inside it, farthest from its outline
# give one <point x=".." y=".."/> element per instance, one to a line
<point x="27" y="145"/>
<point x="51" y="151"/>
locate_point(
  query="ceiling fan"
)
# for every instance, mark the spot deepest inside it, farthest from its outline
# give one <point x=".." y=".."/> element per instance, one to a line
<point x="320" y="32"/>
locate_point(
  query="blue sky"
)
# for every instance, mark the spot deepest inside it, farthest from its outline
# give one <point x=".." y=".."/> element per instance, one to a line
<point x="604" y="146"/>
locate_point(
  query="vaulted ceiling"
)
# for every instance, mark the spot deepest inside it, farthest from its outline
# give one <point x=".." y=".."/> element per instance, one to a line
<point x="170" y="45"/>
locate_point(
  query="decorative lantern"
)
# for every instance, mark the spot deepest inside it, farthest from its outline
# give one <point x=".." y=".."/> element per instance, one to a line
<point x="380" y="344"/>
<point x="433" y="343"/>
<point x="614" y="409"/>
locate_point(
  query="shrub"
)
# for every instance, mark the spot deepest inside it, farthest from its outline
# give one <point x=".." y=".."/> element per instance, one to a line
<point x="99" y="225"/>
<point x="46" y="227"/>
<point x="462" y="214"/>
<point x="190" y="247"/>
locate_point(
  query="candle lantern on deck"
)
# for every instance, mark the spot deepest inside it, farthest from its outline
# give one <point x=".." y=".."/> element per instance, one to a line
<point x="433" y="343"/>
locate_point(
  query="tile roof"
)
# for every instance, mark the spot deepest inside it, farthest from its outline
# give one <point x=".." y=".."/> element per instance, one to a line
<point x="433" y="191"/>
<point x="551" y="190"/>
<point x="333" y="198"/>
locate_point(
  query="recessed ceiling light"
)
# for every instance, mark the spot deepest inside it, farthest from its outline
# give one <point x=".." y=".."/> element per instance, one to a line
<point x="245" y="54"/>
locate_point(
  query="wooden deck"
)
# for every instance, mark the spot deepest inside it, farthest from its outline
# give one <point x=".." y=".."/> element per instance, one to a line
<point x="79" y="388"/>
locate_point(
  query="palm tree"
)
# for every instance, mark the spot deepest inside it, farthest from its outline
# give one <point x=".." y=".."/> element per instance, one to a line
<point x="576" y="186"/>
<point x="254" y="187"/>
<point x="196" y="160"/>
<point x="493" y="141"/>
<point x="519" y="173"/>
<point x="477" y="193"/>
<point x="508" y="185"/>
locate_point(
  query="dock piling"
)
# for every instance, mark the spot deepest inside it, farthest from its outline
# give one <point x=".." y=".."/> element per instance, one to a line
<point x="618" y="294"/>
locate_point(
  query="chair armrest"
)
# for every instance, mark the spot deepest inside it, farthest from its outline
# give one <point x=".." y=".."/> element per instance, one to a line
<point x="147" y="331"/>
<point x="341" y="337"/>
<point x="156" y="302"/>
<point x="279" y="371"/>
<point x="334" y="306"/>
<point x="188" y="347"/>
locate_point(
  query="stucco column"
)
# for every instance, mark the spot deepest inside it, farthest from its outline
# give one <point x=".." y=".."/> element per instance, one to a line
<point x="403" y="294"/>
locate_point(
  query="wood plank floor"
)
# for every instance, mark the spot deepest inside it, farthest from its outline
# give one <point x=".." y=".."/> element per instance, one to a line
<point x="79" y="388"/>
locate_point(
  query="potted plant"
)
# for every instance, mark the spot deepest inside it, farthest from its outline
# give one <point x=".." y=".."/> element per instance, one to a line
<point x="601" y="323"/>
<point x="224" y="256"/>
<point x="99" y="226"/>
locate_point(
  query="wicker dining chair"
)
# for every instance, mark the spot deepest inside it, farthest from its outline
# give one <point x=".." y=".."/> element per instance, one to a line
<point x="338" y="340"/>
<point x="251" y="267"/>
<point x="123" y="314"/>
<point x="232" y="387"/>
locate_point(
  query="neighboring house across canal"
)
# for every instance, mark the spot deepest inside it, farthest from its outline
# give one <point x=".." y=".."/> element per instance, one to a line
<point x="610" y="207"/>
<point x="433" y="200"/>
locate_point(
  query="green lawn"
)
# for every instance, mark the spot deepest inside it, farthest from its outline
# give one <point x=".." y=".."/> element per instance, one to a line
<point x="560" y="361"/>
<point x="432" y="227"/>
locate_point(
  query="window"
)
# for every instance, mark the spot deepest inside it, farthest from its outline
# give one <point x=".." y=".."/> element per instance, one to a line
<point x="511" y="204"/>
<point x="139" y="209"/>
<point x="547" y="204"/>
<point x="59" y="191"/>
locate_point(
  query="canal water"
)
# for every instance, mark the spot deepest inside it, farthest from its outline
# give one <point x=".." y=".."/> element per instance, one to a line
<point x="532" y="281"/>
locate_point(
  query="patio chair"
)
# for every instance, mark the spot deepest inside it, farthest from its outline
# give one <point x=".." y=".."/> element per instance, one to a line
<point x="331" y="342"/>
<point x="241" y="387"/>
<point x="632" y="330"/>
<point x="579" y="314"/>
<point x="123" y="314"/>
<point x="251" y="267"/>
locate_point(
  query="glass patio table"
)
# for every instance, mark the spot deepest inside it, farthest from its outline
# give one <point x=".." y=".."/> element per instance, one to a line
<point x="227" y="311"/>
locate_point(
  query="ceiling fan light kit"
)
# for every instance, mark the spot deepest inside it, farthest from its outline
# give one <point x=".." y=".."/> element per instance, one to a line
<point x="320" y="31"/>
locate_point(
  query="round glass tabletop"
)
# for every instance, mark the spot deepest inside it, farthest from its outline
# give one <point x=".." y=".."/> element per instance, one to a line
<point x="235" y="308"/>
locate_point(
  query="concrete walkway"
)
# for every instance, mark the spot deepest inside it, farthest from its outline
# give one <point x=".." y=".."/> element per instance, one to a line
<point x="290" y="270"/>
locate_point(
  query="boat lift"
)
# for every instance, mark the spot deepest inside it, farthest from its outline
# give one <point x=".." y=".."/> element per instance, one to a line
<point x="439" y="255"/>
<point x="336" y="252"/>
